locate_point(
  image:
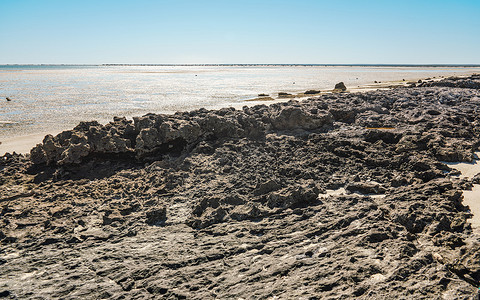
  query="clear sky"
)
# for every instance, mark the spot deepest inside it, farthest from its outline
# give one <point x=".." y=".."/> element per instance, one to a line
<point x="240" y="31"/>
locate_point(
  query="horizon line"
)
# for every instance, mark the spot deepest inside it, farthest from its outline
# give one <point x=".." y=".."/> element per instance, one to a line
<point x="251" y="64"/>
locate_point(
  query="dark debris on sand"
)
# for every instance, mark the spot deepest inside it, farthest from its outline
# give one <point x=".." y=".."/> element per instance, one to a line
<point x="232" y="203"/>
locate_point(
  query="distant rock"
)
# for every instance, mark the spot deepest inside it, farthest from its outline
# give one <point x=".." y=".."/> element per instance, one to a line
<point x="472" y="82"/>
<point x="9" y="99"/>
<point x="340" y="86"/>
<point x="312" y="92"/>
<point x="285" y="95"/>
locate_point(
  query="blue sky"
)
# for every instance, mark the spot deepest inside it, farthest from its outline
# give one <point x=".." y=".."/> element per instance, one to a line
<point x="240" y="31"/>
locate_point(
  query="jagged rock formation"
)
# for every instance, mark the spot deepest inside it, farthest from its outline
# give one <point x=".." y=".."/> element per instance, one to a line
<point x="340" y="87"/>
<point x="472" y="82"/>
<point x="237" y="203"/>
<point x="156" y="134"/>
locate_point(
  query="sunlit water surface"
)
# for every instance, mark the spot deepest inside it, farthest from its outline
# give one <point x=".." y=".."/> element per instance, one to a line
<point x="53" y="98"/>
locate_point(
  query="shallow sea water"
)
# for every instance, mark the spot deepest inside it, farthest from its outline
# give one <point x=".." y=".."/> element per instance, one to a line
<point x="53" y="98"/>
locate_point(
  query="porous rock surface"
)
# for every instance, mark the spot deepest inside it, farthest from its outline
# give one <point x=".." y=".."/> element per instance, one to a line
<point x="233" y="204"/>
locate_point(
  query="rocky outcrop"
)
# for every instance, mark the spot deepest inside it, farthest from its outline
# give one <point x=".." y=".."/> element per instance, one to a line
<point x="72" y="146"/>
<point x="221" y="204"/>
<point x="340" y="87"/>
<point x="471" y="82"/>
<point x="291" y="117"/>
<point x="153" y="135"/>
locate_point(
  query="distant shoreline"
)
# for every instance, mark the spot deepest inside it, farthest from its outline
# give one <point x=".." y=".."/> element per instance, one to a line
<point x="249" y="65"/>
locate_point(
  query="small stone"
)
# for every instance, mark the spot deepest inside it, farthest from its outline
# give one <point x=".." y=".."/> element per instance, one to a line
<point x="340" y="86"/>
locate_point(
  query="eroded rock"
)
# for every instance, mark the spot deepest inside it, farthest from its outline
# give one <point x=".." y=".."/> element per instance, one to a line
<point x="219" y="204"/>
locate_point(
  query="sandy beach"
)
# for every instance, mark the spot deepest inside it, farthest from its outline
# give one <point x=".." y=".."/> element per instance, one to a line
<point x="20" y="144"/>
<point x="343" y="195"/>
<point x="472" y="199"/>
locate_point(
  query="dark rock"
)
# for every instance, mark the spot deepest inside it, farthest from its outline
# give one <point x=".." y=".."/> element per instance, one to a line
<point x="476" y="179"/>
<point x="266" y="187"/>
<point x="340" y="86"/>
<point x="472" y="82"/>
<point x="245" y="212"/>
<point x="285" y="95"/>
<point x="294" y="117"/>
<point x="377" y="237"/>
<point x="386" y="136"/>
<point x="156" y="216"/>
<point x="365" y="187"/>
<point x="5" y="294"/>
<point x="293" y="197"/>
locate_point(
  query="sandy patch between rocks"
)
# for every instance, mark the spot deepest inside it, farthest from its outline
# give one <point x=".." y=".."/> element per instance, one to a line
<point x="472" y="197"/>
<point x="468" y="170"/>
<point x="343" y="192"/>
<point x="20" y="144"/>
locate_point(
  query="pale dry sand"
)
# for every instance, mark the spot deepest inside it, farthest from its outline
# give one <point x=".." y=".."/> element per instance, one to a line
<point x="342" y="192"/>
<point x="20" y="144"/>
<point x="471" y="198"/>
<point x="468" y="170"/>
